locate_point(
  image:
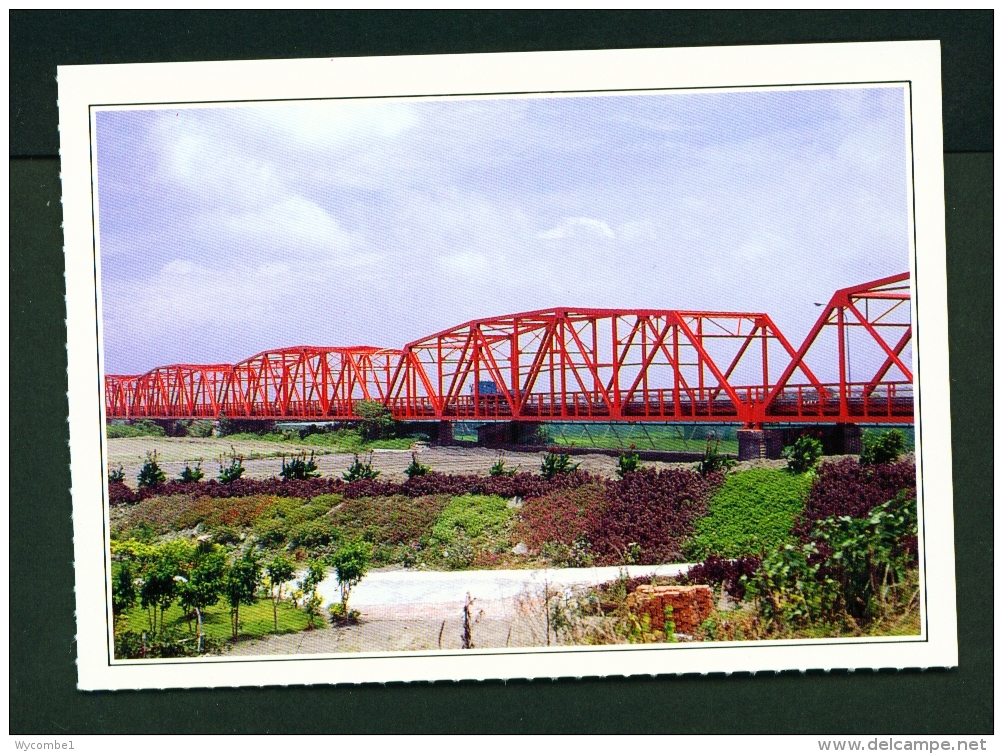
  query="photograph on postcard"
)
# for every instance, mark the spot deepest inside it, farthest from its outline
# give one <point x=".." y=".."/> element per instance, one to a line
<point x="539" y="370"/>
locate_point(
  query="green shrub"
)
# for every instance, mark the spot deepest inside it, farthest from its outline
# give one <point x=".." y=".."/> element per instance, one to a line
<point x="359" y="470"/>
<point x="299" y="467"/>
<point x="870" y="555"/>
<point x="803" y="454"/>
<point x="190" y="475"/>
<point x="712" y="461"/>
<point x="557" y="463"/>
<point x="200" y="428"/>
<point x="752" y="512"/>
<point x="884" y="447"/>
<point x="317" y="532"/>
<point x="233" y="471"/>
<point x="498" y="468"/>
<point x="151" y="474"/>
<point x="377" y="421"/>
<point x="415" y="468"/>
<point x="628" y="463"/>
<point x="787" y="587"/>
<point x="116" y="474"/>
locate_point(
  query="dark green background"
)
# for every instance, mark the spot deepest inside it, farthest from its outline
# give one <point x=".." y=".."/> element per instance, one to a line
<point x="43" y="698"/>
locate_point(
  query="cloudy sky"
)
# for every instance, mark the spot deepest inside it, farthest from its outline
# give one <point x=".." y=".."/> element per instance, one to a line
<point x="226" y="231"/>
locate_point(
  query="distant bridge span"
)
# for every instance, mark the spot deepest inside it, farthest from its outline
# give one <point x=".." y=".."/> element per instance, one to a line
<point x="630" y="365"/>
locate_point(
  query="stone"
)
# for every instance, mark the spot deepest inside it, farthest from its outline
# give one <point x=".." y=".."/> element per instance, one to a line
<point x="520" y="549"/>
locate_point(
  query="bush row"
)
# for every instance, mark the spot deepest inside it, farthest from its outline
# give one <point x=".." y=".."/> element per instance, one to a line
<point x="522" y="485"/>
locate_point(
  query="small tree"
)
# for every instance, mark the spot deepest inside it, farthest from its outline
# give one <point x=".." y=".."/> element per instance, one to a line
<point x="204" y="585"/>
<point x="803" y="454"/>
<point x="240" y="585"/>
<point x="234" y="471"/>
<point x="280" y="570"/>
<point x="191" y="475"/>
<point x="415" y="468"/>
<point x="884" y="447"/>
<point x="151" y="474"/>
<point x="159" y="588"/>
<point x="123" y="589"/>
<point x="299" y="467"/>
<point x="351" y="561"/>
<point x="315" y="573"/>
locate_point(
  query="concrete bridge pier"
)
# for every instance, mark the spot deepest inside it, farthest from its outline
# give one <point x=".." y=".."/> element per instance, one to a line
<point x="754" y="444"/>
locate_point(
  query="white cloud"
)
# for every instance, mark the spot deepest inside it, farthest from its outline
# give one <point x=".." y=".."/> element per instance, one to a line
<point x="295" y="223"/>
<point x="578" y="226"/>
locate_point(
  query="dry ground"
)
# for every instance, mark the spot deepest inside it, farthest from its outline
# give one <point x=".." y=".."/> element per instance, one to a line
<point x="173" y="452"/>
<point x="515" y="622"/>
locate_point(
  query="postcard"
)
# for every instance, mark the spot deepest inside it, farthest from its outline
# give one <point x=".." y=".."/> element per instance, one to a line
<point x="520" y="365"/>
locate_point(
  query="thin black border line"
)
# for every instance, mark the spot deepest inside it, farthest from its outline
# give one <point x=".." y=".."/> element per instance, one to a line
<point x="814" y="85"/>
<point x="111" y="662"/>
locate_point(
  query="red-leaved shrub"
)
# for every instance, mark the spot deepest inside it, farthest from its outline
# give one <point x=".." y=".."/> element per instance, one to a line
<point x="651" y="510"/>
<point x="718" y="571"/>
<point x="846" y="488"/>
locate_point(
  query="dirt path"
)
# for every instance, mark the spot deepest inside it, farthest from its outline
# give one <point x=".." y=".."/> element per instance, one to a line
<point x="174" y="451"/>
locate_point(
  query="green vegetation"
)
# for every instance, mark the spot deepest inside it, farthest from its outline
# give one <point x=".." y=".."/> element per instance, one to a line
<point x="336" y="441"/>
<point x="668" y="437"/>
<point x="151" y="474"/>
<point x="557" y="463"/>
<point x="470" y="527"/>
<point x="803" y="454"/>
<point x="498" y="468"/>
<point x="628" y="463"/>
<point x="234" y="470"/>
<point x="255" y="620"/>
<point x="351" y="561"/>
<point x="192" y="474"/>
<point x="139" y="428"/>
<point x="752" y="512"/>
<point x="299" y="467"/>
<point x="882" y="447"/>
<point x="713" y="461"/>
<point x="359" y="470"/>
<point x="415" y="468"/>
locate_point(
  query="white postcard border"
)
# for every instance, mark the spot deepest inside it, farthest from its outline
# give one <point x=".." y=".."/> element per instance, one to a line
<point x="918" y="63"/>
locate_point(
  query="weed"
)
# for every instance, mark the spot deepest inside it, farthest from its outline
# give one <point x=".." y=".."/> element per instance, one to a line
<point x="498" y="468"/>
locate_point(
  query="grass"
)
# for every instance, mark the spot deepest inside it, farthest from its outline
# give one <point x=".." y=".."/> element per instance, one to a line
<point x="340" y="440"/>
<point x="474" y="516"/>
<point x="753" y="511"/>
<point x="141" y="428"/>
<point x="666" y="437"/>
<point x="255" y="620"/>
<point x="397" y="526"/>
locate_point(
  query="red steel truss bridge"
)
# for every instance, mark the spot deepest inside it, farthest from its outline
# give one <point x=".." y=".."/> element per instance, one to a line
<point x="631" y="365"/>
